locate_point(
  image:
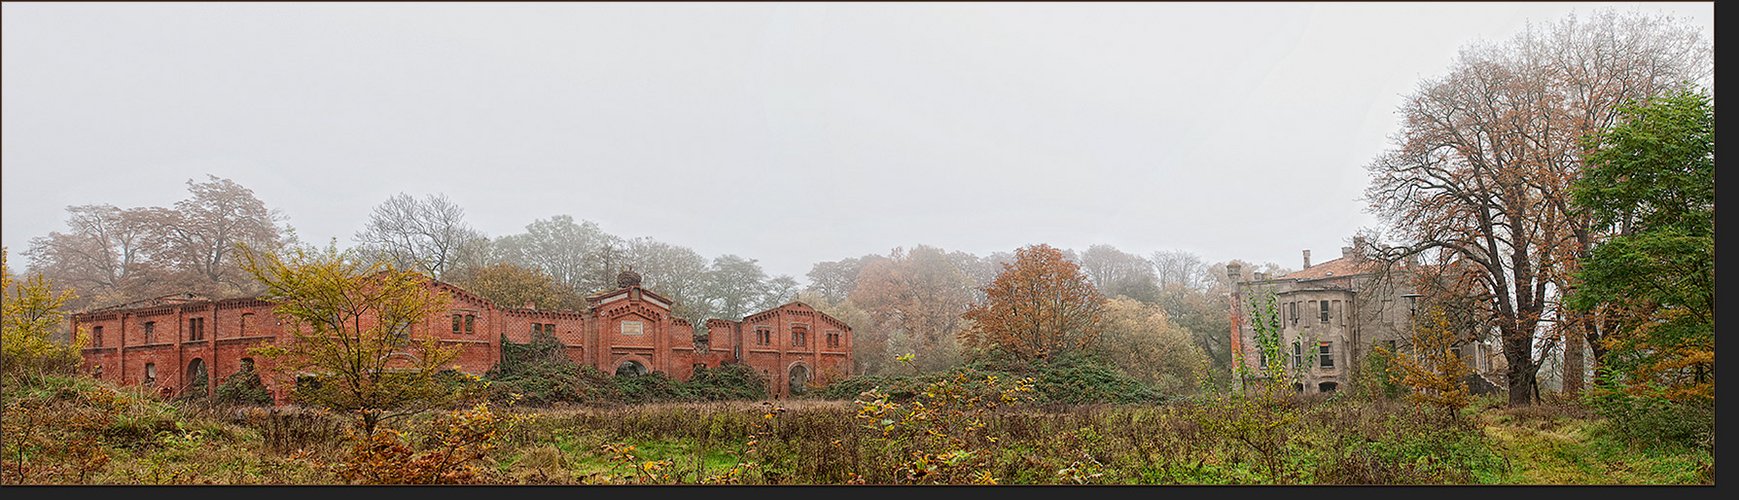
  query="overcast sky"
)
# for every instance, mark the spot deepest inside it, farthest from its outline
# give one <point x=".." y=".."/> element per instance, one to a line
<point x="787" y="133"/>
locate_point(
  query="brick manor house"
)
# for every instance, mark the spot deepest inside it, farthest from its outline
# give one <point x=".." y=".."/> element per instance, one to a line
<point x="172" y="341"/>
<point x="1336" y="312"/>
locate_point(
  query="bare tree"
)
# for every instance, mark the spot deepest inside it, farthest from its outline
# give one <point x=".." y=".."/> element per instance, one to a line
<point x="1118" y="273"/>
<point x="579" y="255"/>
<point x="199" y="237"/>
<point x="105" y="255"/>
<point x="1482" y="166"/>
<point x="1179" y="268"/>
<point x="429" y="235"/>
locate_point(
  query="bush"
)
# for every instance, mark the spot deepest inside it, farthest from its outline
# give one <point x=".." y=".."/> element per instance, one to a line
<point x="539" y="373"/>
<point x="1646" y="415"/>
<point x="243" y="388"/>
<point x="732" y="381"/>
<point x="1069" y="379"/>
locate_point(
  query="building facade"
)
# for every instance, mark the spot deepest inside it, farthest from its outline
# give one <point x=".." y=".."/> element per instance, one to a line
<point x="172" y="342"/>
<point x="1333" y="314"/>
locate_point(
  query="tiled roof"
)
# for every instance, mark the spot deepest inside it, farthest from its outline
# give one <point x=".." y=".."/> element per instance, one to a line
<point x="1338" y="267"/>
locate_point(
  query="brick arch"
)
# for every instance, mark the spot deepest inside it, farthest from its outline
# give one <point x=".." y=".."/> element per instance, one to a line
<point x="808" y="375"/>
<point x="644" y="363"/>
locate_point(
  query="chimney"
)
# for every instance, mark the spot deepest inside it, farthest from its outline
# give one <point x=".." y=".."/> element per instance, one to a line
<point x="1235" y="271"/>
<point x="1307" y="258"/>
<point x="1346" y="252"/>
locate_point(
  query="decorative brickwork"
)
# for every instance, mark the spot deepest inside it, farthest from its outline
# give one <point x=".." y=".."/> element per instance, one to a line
<point x="629" y="323"/>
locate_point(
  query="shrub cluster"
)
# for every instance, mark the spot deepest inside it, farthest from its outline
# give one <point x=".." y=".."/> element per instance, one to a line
<point x="1074" y="379"/>
<point x="539" y="373"/>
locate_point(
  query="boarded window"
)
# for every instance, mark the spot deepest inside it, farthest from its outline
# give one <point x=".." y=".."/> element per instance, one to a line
<point x="150" y="331"/>
<point x="457" y="323"/>
<point x="470" y="324"/>
<point x="195" y="328"/>
<point x="97" y="340"/>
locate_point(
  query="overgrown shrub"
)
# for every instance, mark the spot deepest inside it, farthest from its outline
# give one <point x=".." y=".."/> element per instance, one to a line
<point x="1645" y="414"/>
<point x="243" y="388"/>
<point x="1071" y="379"/>
<point x="733" y="381"/>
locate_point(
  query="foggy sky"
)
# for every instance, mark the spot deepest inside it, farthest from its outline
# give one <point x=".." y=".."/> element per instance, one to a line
<point x="787" y="133"/>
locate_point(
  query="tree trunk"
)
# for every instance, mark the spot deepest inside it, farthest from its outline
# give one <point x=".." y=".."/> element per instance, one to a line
<point x="1518" y="352"/>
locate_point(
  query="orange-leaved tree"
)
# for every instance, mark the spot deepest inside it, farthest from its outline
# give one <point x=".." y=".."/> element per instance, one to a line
<point x="1040" y="306"/>
<point x="1434" y="370"/>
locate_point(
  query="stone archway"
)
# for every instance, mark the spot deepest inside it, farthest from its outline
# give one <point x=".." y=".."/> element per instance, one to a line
<point x="797" y="380"/>
<point x="630" y="368"/>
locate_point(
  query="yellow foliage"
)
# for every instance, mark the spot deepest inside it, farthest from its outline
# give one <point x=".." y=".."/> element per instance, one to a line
<point x="1434" y="370"/>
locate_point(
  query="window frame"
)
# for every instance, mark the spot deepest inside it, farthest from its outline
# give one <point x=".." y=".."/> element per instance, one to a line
<point x="1322" y="306"/>
<point x="150" y="331"/>
<point x="1325" y="355"/>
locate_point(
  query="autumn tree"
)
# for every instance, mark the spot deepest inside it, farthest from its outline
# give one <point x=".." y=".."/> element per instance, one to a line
<point x="107" y="255"/>
<point x="513" y="285"/>
<point x="1482" y="166"/>
<point x="427" y="235"/>
<point x="1142" y="341"/>
<point x="836" y="279"/>
<point x="354" y="326"/>
<point x="29" y="315"/>
<point x="868" y="353"/>
<point x="1650" y="185"/>
<point x="914" y="299"/>
<point x="1434" y="369"/>
<point x="1041" y="306"/>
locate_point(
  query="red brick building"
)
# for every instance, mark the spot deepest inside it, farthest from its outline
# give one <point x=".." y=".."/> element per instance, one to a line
<point x="167" y="342"/>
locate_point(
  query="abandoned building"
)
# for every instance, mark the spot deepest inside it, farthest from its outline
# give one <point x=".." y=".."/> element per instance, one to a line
<point x="174" y="341"/>
<point x="1332" y="314"/>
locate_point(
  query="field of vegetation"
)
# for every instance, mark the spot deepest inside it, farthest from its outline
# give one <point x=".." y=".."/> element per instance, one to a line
<point x="76" y="430"/>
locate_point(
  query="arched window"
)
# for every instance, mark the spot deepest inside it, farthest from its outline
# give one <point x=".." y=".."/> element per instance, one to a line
<point x="197" y="379"/>
<point x="630" y="368"/>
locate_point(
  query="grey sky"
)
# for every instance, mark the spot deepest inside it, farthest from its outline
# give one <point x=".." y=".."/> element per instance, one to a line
<point x="788" y="133"/>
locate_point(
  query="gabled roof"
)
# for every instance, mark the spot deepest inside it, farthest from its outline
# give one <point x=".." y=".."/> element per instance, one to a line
<point x="1344" y="266"/>
<point x="806" y="307"/>
<point x="607" y="294"/>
